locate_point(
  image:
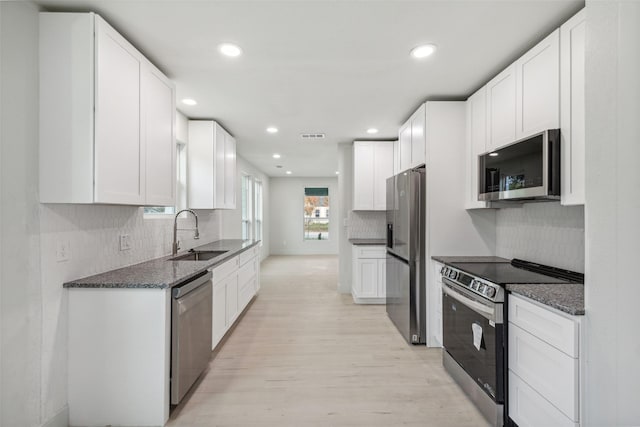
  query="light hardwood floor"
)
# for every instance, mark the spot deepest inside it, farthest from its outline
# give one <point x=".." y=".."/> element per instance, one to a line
<point x="304" y="355"/>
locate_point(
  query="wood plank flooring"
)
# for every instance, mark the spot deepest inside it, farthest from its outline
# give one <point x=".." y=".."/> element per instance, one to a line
<point x="304" y="355"/>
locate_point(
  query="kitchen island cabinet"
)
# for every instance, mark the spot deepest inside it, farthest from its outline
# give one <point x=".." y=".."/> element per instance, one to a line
<point x="107" y="117"/>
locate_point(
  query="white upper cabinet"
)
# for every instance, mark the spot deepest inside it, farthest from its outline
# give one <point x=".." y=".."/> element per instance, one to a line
<point x="372" y="165"/>
<point x="107" y="117"/>
<point x="538" y="88"/>
<point x="501" y="109"/>
<point x="412" y="140"/>
<point x="476" y="145"/>
<point x="572" y="123"/>
<point x="212" y="166"/>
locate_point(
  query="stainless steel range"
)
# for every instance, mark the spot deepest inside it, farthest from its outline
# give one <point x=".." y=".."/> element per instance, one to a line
<point x="474" y="325"/>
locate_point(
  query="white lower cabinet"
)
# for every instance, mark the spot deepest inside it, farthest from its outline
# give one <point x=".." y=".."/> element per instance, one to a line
<point x="434" y="307"/>
<point x="369" y="274"/>
<point x="544" y="366"/>
<point x="235" y="283"/>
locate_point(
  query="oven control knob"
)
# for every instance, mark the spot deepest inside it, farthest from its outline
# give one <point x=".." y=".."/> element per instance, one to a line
<point x="490" y="292"/>
<point x="442" y="270"/>
<point x="445" y="271"/>
<point x="453" y="274"/>
<point x="482" y="289"/>
<point x="474" y="284"/>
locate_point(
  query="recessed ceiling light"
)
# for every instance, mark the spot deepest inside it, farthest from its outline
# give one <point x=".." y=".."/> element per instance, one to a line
<point x="276" y="156"/>
<point x="272" y="129"/>
<point x="372" y="131"/>
<point x="288" y="172"/>
<point x="423" y="51"/>
<point x="229" y="49"/>
<point x="337" y="172"/>
<point x="493" y="154"/>
<point x="189" y="101"/>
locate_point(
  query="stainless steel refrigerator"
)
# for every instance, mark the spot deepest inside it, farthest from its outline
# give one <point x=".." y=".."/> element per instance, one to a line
<point x="406" y="269"/>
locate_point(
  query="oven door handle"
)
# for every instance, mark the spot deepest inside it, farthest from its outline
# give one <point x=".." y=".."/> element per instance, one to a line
<point x="482" y="309"/>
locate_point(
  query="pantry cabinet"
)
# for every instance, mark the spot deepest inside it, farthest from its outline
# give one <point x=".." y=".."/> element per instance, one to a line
<point x="107" y="117"/>
<point x="475" y="146"/>
<point x="538" y="88"/>
<point x="412" y="140"/>
<point x="372" y="165"/>
<point x="212" y="166"/>
<point x="369" y="274"/>
<point x="572" y="109"/>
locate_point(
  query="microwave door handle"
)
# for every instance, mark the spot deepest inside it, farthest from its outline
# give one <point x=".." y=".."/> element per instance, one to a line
<point x="482" y="309"/>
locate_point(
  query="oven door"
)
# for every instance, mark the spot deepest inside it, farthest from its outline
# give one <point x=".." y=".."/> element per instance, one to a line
<point x="473" y="337"/>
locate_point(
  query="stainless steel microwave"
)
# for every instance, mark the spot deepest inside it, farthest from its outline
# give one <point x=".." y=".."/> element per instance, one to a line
<point x="528" y="169"/>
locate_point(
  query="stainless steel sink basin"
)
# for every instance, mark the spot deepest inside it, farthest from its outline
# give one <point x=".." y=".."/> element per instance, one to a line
<point x="198" y="256"/>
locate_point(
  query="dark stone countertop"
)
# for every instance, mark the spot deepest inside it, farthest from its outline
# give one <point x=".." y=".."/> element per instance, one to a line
<point x="162" y="273"/>
<point x="365" y="242"/>
<point x="566" y="297"/>
<point x="450" y="259"/>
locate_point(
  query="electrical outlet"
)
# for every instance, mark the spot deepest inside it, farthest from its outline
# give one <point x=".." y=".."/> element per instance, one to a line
<point x="125" y="242"/>
<point x="63" y="251"/>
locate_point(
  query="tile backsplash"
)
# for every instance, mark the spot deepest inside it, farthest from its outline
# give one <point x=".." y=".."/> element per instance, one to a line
<point x="367" y="224"/>
<point x="545" y="232"/>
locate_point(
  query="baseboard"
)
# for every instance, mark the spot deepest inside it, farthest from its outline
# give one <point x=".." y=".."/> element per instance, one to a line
<point x="61" y="419"/>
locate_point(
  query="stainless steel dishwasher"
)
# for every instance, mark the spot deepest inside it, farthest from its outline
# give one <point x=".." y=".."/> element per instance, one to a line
<point x="190" y="333"/>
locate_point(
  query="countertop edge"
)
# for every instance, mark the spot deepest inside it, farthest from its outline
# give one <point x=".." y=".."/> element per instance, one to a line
<point x="368" y="242"/>
<point x="538" y="294"/>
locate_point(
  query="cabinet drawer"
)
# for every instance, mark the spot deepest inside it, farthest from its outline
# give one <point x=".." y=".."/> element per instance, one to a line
<point x="376" y="252"/>
<point x="529" y="409"/>
<point x="559" y="331"/>
<point x="246" y="272"/>
<point x="225" y="270"/>
<point x="247" y="256"/>
<point x="547" y="370"/>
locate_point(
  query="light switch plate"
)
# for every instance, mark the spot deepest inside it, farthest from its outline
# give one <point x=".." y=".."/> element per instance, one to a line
<point x="125" y="242"/>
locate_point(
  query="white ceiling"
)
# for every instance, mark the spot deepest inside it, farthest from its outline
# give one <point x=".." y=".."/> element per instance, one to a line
<point x="337" y="67"/>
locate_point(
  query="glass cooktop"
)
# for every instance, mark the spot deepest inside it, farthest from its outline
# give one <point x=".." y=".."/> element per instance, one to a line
<point x="503" y="273"/>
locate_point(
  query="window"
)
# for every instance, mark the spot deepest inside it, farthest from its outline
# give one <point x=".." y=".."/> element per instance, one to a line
<point x="258" y="210"/>
<point x="316" y="213"/>
<point x="247" y="212"/>
<point x="181" y="186"/>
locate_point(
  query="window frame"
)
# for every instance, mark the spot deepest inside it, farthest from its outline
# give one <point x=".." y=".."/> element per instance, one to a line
<point x="312" y="216"/>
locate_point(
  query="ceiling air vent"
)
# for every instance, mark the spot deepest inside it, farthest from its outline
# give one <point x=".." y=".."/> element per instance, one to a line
<point x="312" y="135"/>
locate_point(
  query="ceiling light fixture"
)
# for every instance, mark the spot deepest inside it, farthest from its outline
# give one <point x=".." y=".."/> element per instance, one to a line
<point x="288" y="172"/>
<point x="493" y="154"/>
<point x="371" y="131"/>
<point x="189" y="101"/>
<point x="272" y="129"/>
<point x="229" y="49"/>
<point x="276" y="156"/>
<point x="423" y="51"/>
<point x="337" y="172"/>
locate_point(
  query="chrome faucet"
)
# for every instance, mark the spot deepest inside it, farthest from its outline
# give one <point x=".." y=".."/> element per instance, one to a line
<point x="196" y="234"/>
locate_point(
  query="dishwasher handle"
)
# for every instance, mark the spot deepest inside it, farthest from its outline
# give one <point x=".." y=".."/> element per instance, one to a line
<point x="184" y="288"/>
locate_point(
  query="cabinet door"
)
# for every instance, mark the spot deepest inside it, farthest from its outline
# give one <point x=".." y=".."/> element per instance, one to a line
<point x="405" y="146"/>
<point x="418" y="137"/>
<point x="572" y="123"/>
<point x="476" y="144"/>
<point x="538" y="87"/>
<point x="159" y="136"/>
<point x="501" y="109"/>
<point x="368" y="277"/>
<point x="363" y="175"/>
<point x="382" y="278"/>
<point x="219" y="316"/>
<point x="118" y="149"/>
<point x="382" y="169"/>
<point x="219" y="164"/>
<point x="229" y="172"/>
<point x="396" y="157"/>
<point x="201" y="155"/>
<point x="232" y="299"/>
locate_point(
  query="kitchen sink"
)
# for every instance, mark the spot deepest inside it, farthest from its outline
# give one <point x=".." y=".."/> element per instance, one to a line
<point x="198" y="256"/>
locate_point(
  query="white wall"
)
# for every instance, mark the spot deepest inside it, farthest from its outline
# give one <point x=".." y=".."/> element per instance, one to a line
<point x="544" y="232"/>
<point x="232" y="219"/>
<point x="612" y="213"/>
<point x="21" y="295"/>
<point x="345" y="195"/>
<point x="286" y="222"/>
